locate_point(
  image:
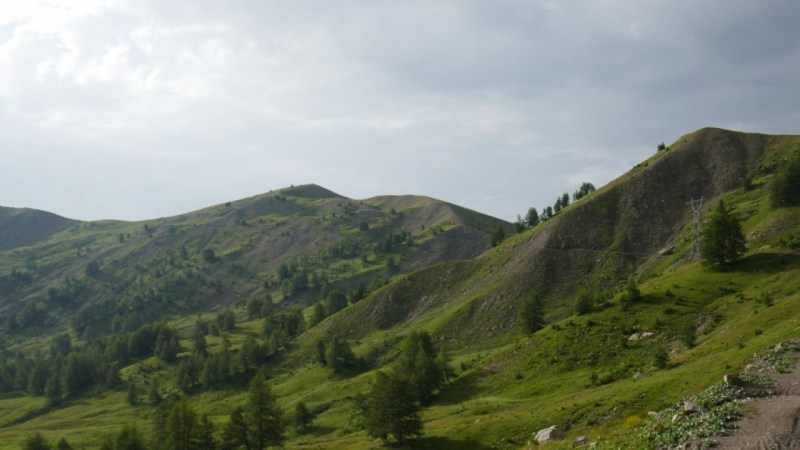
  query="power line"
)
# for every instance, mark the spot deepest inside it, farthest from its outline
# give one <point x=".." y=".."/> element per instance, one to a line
<point x="696" y="205"/>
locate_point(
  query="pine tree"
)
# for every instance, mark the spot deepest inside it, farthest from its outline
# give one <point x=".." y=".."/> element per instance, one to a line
<point x="53" y="389"/>
<point x="262" y="414"/>
<point x="235" y="432"/>
<point x="205" y="436"/>
<point x="391" y="410"/>
<point x="532" y="313"/>
<point x="419" y="366"/>
<point x="785" y="189"/>
<point x="133" y="394"/>
<point x="182" y="428"/>
<point x="723" y="239"/>
<point x="532" y="218"/>
<point x="63" y="444"/>
<point x="130" y="438"/>
<point x="339" y="356"/>
<point x="301" y="417"/>
<point x="36" y="442"/>
<point x="318" y="315"/>
<point x="632" y="294"/>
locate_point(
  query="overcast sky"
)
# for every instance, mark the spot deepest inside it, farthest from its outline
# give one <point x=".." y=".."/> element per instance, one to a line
<point x="147" y="108"/>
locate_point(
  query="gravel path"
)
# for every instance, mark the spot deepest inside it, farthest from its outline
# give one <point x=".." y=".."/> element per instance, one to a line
<point x="772" y="422"/>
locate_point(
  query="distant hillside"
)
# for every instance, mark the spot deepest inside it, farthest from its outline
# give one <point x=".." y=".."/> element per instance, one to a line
<point x="223" y="255"/>
<point x="23" y="226"/>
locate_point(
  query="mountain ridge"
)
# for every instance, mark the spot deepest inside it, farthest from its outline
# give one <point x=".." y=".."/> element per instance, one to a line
<point x="590" y="372"/>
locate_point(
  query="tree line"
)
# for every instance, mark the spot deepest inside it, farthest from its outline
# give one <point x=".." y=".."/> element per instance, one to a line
<point x="256" y="425"/>
<point x="533" y="217"/>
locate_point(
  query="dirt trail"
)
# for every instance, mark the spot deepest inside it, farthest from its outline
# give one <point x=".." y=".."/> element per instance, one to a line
<point x="772" y="422"/>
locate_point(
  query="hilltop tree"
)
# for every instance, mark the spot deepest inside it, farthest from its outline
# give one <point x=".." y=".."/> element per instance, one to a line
<point x="547" y="213"/>
<point x="532" y="313"/>
<point x="532" y="218"/>
<point x="583" y="191"/>
<point x="519" y="224"/>
<point x="723" y="239"/>
<point x="564" y="200"/>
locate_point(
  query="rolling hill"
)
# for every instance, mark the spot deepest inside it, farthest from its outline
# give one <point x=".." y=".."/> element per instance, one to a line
<point x="411" y="264"/>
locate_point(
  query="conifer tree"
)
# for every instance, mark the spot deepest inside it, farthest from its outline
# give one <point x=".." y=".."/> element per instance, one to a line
<point x="532" y="313"/>
<point x="36" y="442"/>
<point x="63" y="444"/>
<point x="532" y="218"/>
<point x="130" y="438"/>
<point x="301" y="417"/>
<point x="418" y="364"/>
<point x="182" y="428"/>
<point x="391" y="410"/>
<point x="723" y="239"/>
<point x="235" y="432"/>
<point x="262" y="415"/>
<point x="632" y="294"/>
<point x="339" y="356"/>
<point x="785" y="189"/>
<point x="205" y="435"/>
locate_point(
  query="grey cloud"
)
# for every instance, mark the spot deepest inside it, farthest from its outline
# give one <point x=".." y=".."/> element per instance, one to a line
<point x="144" y="109"/>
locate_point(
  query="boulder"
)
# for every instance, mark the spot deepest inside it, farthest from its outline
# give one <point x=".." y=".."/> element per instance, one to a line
<point x="691" y="408"/>
<point x="640" y="336"/>
<point x="549" y="434"/>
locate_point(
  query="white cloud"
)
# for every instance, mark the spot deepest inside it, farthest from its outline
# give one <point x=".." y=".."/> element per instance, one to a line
<point x="498" y="105"/>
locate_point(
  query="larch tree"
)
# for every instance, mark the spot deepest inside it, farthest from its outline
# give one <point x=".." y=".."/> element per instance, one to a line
<point x="723" y="239"/>
<point x="532" y="314"/>
<point x="263" y="415"/>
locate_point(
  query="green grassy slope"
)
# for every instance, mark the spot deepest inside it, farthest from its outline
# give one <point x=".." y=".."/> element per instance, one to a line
<point x="581" y="373"/>
<point x="85" y="274"/>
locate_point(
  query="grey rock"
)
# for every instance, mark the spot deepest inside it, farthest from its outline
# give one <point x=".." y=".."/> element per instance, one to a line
<point x="692" y="408"/>
<point x="549" y="434"/>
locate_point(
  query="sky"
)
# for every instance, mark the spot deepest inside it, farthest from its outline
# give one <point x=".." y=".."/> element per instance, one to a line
<point x="149" y="108"/>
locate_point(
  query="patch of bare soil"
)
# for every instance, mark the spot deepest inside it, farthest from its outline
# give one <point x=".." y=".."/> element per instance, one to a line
<point x="772" y="422"/>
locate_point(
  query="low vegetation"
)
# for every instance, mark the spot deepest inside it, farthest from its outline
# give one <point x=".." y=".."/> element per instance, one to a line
<point x="587" y="322"/>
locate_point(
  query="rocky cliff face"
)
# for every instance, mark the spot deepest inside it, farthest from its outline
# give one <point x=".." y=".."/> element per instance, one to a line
<point x="596" y="243"/>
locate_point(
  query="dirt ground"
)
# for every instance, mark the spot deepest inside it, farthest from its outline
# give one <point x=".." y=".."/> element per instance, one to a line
<point x="772" y="422"/>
